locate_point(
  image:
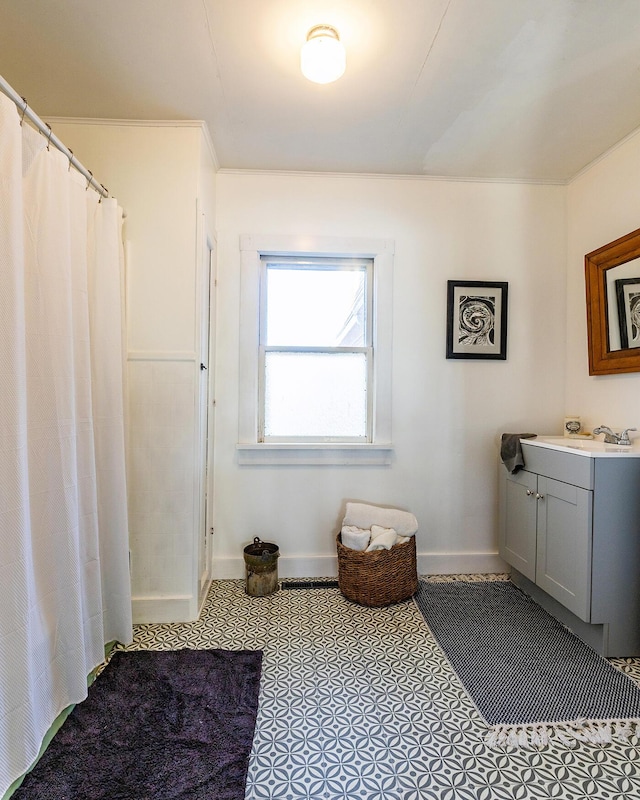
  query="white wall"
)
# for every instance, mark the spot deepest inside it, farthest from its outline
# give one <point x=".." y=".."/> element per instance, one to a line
<point x="603" y="204"/>
<point x="162" y="175"/>
<point x="447" y="415"/>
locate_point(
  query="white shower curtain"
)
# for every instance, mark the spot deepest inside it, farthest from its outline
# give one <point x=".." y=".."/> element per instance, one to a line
<point x="64" y="576"/>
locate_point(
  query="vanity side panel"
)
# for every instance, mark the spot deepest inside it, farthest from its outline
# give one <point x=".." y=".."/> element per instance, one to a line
<point x="616" y="552"/>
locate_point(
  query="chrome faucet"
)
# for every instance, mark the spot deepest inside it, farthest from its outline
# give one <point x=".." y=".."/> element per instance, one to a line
<point x="614" y="438"/>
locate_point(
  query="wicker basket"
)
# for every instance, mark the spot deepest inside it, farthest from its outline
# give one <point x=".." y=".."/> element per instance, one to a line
<point x="378" y="578"/>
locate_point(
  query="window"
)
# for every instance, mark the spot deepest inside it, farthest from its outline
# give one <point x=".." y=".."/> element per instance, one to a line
<point x="315" y="351"/>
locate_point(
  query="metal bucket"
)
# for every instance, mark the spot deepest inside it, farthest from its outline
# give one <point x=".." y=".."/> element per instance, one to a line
<point x="261" y="565"/>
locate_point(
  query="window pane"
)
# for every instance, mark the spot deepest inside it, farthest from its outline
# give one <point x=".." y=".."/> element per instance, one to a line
<point x="316" y="307"/>
<point x="315" y="394"/>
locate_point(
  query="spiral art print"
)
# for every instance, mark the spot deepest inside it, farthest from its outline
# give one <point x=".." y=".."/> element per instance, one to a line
<point x="477" y="319"/>
<point x="628" y="295"/>
<point x="634" y="319"/>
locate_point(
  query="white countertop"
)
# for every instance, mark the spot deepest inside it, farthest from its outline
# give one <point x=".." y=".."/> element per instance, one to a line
<point x="592" y="448"/>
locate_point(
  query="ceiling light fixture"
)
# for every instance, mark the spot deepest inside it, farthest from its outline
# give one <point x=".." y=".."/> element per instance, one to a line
<point x="322" y="58"/>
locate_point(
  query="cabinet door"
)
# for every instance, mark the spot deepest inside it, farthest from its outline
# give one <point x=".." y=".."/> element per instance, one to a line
<point x="517" y="542"/>
<point x="563" y="566"/>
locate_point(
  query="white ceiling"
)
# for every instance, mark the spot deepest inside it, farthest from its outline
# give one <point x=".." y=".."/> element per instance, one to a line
<point x="516" y="89"/>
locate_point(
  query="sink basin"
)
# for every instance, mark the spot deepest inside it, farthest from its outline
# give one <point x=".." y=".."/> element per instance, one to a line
<point x="574" y="444"/>
<point x="590" y="447"/>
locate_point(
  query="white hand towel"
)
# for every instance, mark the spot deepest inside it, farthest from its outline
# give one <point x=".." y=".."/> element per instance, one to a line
<point x="355" y="538"/>
<point x="378" y="530"/>
<point x="364" y="516"/>
<point x="384" y="541"/>
<point x="402" y="539"/>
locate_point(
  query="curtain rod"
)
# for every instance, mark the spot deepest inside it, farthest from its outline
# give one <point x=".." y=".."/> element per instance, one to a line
<point x="45" y="130"/>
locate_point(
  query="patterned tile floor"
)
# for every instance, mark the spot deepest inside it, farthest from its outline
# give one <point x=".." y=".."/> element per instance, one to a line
<point x="360" y="703"/>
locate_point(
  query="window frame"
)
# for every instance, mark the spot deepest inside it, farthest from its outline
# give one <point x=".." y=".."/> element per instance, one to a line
<point x="251" y="451"/>
<point x="335" y="263"/>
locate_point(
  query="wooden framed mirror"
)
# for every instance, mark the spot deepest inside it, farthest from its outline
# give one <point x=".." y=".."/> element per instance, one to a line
<point x="613" y="306"/>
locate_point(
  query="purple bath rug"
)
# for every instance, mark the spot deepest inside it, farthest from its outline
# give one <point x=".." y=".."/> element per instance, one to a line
<point x="157" y="725"/>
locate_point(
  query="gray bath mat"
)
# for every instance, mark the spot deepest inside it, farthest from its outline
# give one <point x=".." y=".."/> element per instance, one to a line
<point x="528" y="676"/>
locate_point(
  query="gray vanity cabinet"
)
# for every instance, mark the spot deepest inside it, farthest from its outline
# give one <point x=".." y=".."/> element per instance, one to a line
<point x="547" y="537"/>
<point x="570" y="529"/>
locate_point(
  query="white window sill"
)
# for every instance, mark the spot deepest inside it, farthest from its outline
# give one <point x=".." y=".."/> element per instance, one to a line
<point x="323" y="453"/>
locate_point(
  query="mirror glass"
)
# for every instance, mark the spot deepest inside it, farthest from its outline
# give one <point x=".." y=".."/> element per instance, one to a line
<point x="623" y="305"/>
<point x="613" y="306"/>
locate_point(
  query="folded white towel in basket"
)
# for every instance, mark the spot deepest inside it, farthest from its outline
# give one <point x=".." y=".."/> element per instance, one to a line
<point x="363" y="515"/>
<point x="378" y="530"/>
<point x="354" y="537"/>
<point x="383" y="539"/>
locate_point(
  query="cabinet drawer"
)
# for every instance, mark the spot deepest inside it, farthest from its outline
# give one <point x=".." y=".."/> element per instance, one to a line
<point x="566" y="467"/>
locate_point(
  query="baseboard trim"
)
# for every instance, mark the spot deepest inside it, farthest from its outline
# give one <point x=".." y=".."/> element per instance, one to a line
<point x="327" y="566"/>
<point x="185" y="608"/>
<point x="288" y="567"/>
<point x="461" y="564"/>
<point x="177" y="608"/>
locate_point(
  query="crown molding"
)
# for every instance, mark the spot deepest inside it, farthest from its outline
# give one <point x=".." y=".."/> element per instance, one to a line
<point x="146" y="123"/>
<point x="386" y="176"/>
<point x="134" y="123"/>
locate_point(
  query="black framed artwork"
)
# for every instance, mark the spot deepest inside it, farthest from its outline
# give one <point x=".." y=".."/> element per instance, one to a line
<point x="628" y="296"/>
<point x="477" y="319"/>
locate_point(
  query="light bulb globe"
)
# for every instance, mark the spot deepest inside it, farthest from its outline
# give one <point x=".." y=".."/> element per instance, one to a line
<point x="323" y="58"/>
